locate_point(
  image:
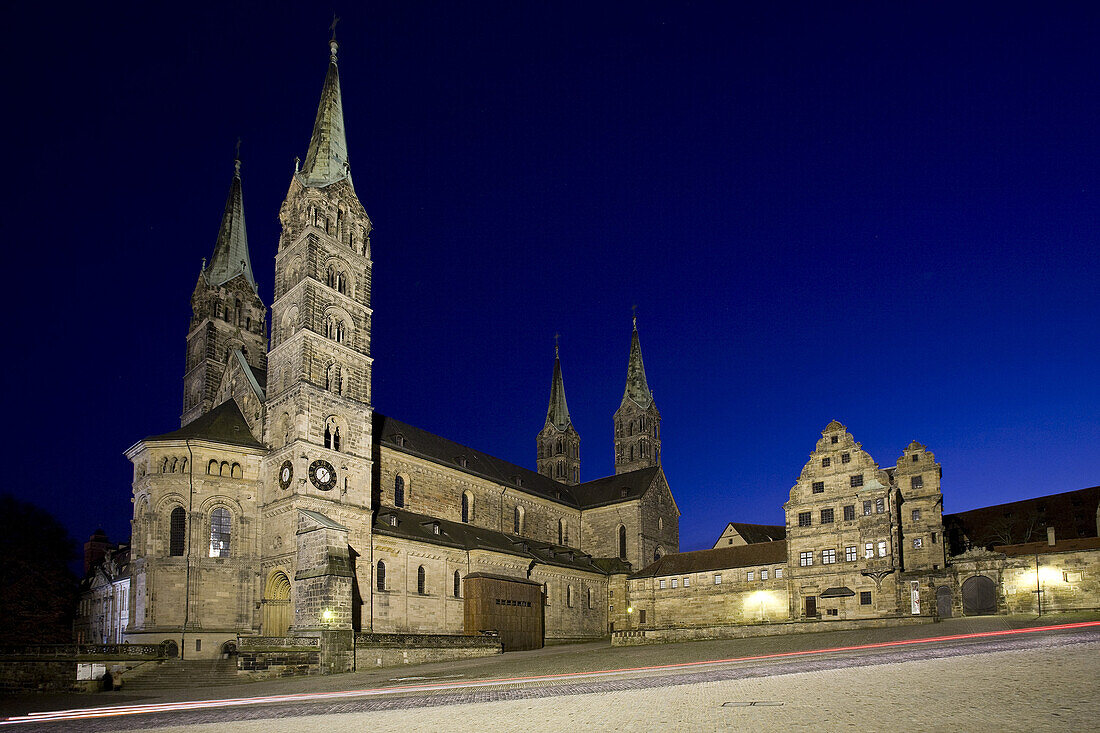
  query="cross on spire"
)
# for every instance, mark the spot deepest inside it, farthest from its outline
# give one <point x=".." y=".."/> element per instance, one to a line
<point x="556" y="337"/>
<point x="332" y="27"/>
<point x="634" y="315"/>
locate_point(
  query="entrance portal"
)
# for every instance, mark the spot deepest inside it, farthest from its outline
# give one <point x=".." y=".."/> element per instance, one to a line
<point x="943" y="601"/>
<point x="979" y="596"/>
<point x="276" y="605"/>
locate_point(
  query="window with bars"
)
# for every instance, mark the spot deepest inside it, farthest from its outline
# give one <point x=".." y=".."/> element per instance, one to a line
<point x="867" y="508"/>
<point x="917" y="482"/>
<point x="805" y="559"/>
<point x="826" y="462"/>
<point x="850" y="512"/>
<point x="856" y="480"/>
<point x="826" y="516"/>
<point x="865" y="598"/>
<point x="880" y="505"/>
<point x="804" y="519"/>
<point x="819" y="487"/>
<point x="845" y="457"/>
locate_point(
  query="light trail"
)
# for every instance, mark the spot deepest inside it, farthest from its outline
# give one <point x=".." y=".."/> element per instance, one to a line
<point x="193" y="705"/>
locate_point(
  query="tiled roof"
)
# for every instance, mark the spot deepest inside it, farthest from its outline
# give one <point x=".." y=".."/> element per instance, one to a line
<point x="1071" y="513"/>
<point x="753" y="533"/>
<point x="422" y="528"/>
<point x="1042" y="548"/>
<point x="701" y="561"/>
<point x="223" y="424"/>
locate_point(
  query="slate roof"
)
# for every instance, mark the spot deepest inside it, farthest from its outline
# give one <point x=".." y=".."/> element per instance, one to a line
<point x="1042" y="548"/>
<point x="418" y="442"/>
<point x="1071" y="513"/>
<point x="701" y="561"/>
<point x="223" y="424"/>
<point x="421" y="528"/>
<point x="323" y="520"/>
<point x="557" y="413"/>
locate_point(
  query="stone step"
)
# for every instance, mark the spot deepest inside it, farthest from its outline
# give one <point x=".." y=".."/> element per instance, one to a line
<point x="175" y="674"/>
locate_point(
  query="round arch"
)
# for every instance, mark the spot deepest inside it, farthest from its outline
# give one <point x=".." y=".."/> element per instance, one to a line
<point x="276" y="604"/>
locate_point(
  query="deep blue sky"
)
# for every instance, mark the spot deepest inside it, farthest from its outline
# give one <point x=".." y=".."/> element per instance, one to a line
<point x="882" y="213"/>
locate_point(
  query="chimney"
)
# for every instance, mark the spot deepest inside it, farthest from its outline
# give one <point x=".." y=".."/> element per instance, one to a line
<point x="1050" y="536"/>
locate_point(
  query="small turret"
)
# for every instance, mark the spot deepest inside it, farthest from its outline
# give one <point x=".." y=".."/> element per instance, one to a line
<point x="637" y="421"/>
<point x="558" y="443"/>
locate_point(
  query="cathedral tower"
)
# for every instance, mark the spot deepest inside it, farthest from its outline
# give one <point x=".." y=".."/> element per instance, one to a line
<point x="637" y="421"/>
<point x="558" y="443"/>
<point x="319" y="375"/>
<point x="226" y="311"/>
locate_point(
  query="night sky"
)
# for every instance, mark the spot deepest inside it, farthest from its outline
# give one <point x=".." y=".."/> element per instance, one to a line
<point x="881" y="213"/>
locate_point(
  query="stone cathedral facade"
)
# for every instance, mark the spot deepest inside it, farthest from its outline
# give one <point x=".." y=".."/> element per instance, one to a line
<point x="285" y="504"/>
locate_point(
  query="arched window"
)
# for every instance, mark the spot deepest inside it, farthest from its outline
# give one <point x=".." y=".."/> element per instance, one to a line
<point x="177" y="525"/>
<point x="380" y="576"/>
<point x="657" y="553"/>
<point x="183" y="466"/>
<point x="420" y="580"/>
<point x="220" y="531"/>
<point x="561" y="531"/>
<point x="517" y="520"/>
<point x="328" y="436"/>
<point x="212" y="468"/>
<point x="458" y="585"/>
<point x="399" y="491"/>
<point x="336" y="439"/>
<point x="223" y="469"/>
<point x="237" y="471"/>
<point x="589" y="591"/>
<point x="467" y="506"/>
<point x="569" y="596"/>
<point x="622" y="542"/>
<point x="660" y="523"/>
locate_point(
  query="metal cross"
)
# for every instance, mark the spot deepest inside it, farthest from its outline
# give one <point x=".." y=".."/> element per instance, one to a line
<point x="634" y="313"/>
<point x="332" y="27"/>
<point x="556" y="337"/>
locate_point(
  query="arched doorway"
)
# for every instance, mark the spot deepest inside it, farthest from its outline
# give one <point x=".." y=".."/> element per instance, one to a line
<point x="943" y="601"/>
<point x="979" y="596"/>
<point x="171" y="648"/>
<point x="276" y="605"/>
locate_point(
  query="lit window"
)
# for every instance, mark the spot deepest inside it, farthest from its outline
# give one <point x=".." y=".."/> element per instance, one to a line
<point x="882" y="549"/>
<point x="917" y="482"/>
<point x="219" y="532"/>
<point x="687" y="582"/>
<point x="828" y="557"/>
<point x="778" y="573"/>
<point x="751" y="576"/>
<point x="826" y="516"/>
<point x="850" y="512"/>
<point x="662" y="582"/>
<point x="718" y="580"/>
<point x="856" y="480"/>
<point x="804" y="519"/>
<point x="916" y="515"/>
<point x="674" y="582"/>
<point x="869" y="549"/>
<point x="819" y="487"/>
<point x="867" y="508"/>
<point x="918" y="543"/>
<point x="763" y="574"/>
<point x="865" y="598"/>
<point x="880" y="505"/>
<point x="850" y="553"/>
<point x="805" y="559"/>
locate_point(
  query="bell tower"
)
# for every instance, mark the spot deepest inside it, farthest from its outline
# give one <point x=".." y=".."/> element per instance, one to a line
<point x="319" y="367"/>
<point x="637" y="421"/>
<point x="226" y="311"/>
<point x="558" y="444"/>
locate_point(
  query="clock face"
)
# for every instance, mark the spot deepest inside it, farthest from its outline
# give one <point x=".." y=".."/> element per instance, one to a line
<point x="286" y="473"/>
<point x="322" y="474"/>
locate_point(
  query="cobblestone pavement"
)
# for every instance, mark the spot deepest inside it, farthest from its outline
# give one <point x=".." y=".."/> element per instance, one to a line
<point x="1035" y="689"/>
<point x="685" y="690"/>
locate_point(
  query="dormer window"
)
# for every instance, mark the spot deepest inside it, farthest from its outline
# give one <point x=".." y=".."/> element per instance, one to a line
<point x="393" y="520"/>
<point x="399" y="440"/>
<point x="461" y="460"/>
<point x="623" y="492"/>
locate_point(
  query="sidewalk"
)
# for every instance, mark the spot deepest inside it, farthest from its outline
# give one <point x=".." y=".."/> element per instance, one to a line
<point x="587" y="657"/>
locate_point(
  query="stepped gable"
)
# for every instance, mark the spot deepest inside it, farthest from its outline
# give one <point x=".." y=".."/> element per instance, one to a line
<point x="406" y="438"/>
<point x="701" y="561"/>
<point x="423" y="528"/>
<point x="223" y="424"/>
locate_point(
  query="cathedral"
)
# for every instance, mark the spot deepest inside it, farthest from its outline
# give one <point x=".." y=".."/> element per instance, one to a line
<point x="284" y="504"/>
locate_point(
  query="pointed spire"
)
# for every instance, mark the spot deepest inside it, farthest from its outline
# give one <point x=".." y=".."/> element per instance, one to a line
<point x="557" y="414"/>
<point x="637" y="388"/>
<point x="327" y="158"/>
<point x="231" y="249"/>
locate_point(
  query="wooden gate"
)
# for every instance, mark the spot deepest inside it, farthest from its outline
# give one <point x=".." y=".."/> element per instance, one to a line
<point x="979" y="596"/>
<point x="943" y="601"/>
<point x="276" y="605"/>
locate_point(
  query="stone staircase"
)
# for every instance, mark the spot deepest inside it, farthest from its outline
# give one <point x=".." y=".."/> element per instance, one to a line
<point x="182" y="674"/>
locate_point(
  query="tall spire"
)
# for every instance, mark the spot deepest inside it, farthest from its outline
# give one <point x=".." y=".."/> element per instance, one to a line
<point x="637" y="388"/>
<point x="231" y="249"/>
<point x="327" y="158"/>
<point x="557" y="414"/>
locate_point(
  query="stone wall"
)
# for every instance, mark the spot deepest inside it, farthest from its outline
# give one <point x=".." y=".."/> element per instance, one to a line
<point x="394" y="650"/>
<point x="1069" y="581"/>
<point x="665" y="635"/>
<point x="267" y="657"/>
<point x="703" y="602"/>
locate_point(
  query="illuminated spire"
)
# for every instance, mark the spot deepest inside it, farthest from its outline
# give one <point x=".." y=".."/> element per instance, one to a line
<point x="327" y="158"/>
